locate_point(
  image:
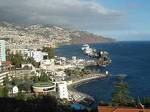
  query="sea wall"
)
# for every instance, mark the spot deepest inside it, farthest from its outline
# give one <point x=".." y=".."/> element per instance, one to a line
<point x="79" y="96"/>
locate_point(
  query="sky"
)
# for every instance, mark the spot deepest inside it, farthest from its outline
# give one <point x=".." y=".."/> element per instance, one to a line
<point x="119" y="19"/>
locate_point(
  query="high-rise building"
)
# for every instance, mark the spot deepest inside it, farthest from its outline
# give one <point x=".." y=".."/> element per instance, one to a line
<point x="63" y="90"/>
<point x="2" y="51"/>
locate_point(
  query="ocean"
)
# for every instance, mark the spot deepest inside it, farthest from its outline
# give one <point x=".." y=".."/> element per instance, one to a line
<point x="130" y="58"/>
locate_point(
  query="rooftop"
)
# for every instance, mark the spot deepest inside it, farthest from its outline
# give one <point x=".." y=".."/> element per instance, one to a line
<point x="120" y="109"/>
<point x="43" y="84"/>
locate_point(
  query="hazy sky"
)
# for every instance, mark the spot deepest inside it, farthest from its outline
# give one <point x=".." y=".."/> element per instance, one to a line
<point x="122" y="19"/>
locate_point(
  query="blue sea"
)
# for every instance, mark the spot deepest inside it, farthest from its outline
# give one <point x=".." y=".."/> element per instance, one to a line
<point x="130" y="58"/>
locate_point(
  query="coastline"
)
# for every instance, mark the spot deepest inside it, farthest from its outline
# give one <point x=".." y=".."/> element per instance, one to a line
<point x="69" y="44"/>
<point x="79" y="96"/>
<point x="83" y="80"/>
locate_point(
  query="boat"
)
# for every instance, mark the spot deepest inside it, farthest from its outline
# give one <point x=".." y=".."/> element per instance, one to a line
<point x="103" y="57"/>
<point x="85" y="46"/>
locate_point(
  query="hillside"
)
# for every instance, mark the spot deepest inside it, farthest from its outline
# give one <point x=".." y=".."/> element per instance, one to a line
<point x="36" y="36"/>
<point x="85" y="37"/>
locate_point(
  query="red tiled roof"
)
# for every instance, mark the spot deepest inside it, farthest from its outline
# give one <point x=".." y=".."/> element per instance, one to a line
<point x="105" y="109"/>
<point x="120" y="109"/>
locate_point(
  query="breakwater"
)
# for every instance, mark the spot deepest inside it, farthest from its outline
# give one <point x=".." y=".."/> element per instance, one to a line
<point x="77" y="95"/>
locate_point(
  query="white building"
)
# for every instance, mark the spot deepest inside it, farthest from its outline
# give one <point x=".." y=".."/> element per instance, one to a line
<point x="63" y="90"/>
<point x="15" y="90"/>
<point x="38" y="55"/>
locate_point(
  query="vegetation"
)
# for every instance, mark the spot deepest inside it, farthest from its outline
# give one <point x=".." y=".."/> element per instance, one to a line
<point x="16" y="81"/>
<point x="35" y="79"/>
<point x="144" y="101"/>
<point x="23" y="84"/>
<point x="77" y="72"/>
<point x="20" y="96"/>
<point x="121" y="96"/>
<point x="40" y="104"/>
<point x="32" y="61"/>
<point x="16" y="60"/>
<point x="43" y="77"/>
<point x="50" y="51"/>
<point x="3" y="91"/>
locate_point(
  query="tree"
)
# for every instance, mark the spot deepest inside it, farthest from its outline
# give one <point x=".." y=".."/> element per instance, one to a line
<point x="38" y="104"/>
<point x="35" y="79"/>
<point x="33" y="62"/>
<point x="26" y="86"/>
<point x="44" y="77"/>
<point x="30" y="60"/>
<point x="50" y="51"/>
<point x="120" y="96"/>
<point x="20" y="96"/>
<point x="16" y="60"/>
<point x="44" y="57"/>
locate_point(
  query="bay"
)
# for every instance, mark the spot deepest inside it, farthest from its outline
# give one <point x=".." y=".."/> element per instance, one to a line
<point x="130" y="58"/>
